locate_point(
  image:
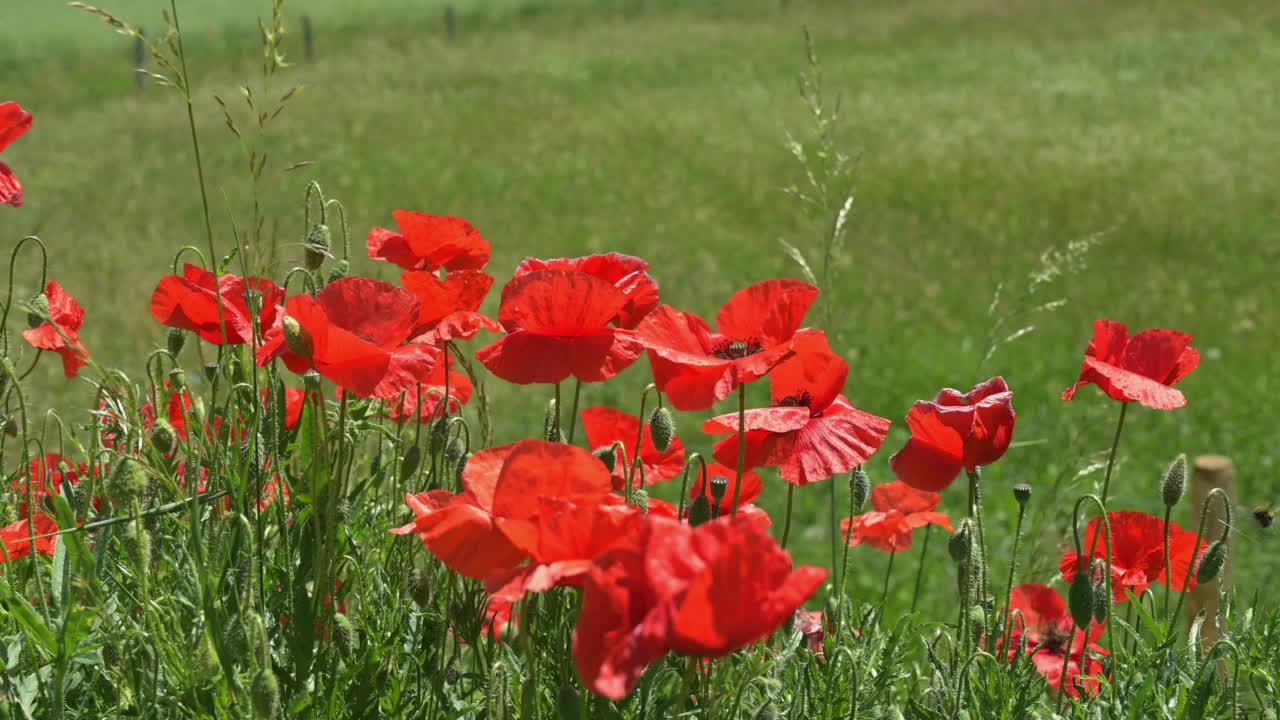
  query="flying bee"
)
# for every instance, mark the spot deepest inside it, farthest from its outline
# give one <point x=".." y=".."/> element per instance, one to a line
<point x="1265" y="515"/>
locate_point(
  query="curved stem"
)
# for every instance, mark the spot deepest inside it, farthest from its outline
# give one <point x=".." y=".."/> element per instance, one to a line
<point x="786" y="527"/>
<point x="1191" y="567"/>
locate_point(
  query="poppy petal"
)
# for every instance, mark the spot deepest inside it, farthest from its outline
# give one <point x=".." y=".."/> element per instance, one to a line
<point x="769" y="311"/>
<point x="10" y="188"/>
<point x="1155" y="353"/>
<point x="380" y="313"/>
<point x="462" y="535"/>
<point x="900" y="496"/>
<point x="14" y="122"/>
<point x="814" y="373"/>
<point x="443" y="240"/>
<point x="834" y="443"/>
<point x="407" y="366"/>
<point x="934" y="455"/>
<point x="1127" y="386"/>
<point x="770" y="419"/>
<point x="536" y="469"/>
<point x="559" y="303"/>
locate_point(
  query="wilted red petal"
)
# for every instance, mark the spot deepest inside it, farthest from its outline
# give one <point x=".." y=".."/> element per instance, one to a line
<point x="1139" y="369"/>
<point x="769" y="311"/>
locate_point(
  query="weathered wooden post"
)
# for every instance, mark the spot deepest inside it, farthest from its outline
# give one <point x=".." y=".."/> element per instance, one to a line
<point x="1211" y="471"/>
<point x="308" y="40"/>
<point x="450" y="24"/>
<point x="139" y="61"/>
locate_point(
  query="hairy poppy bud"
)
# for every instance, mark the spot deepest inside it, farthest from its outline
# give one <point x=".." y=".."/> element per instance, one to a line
<point x="316" y="246"/>
<point x="175" y="340"/>
<point x="859" y="488"/>
<point x="1101" y="603"/>
<point x="137" y="544"/>
<point x="127" y="482"/>
<point x="340" y="269"/>
<point x="345" y="638"/>
<point x="1174" y="484"/>
<point x="977" y="619"/>
<point x="498" y="695"/>
<point x="640" y="499"/>
<point x="439" y="433"/>
<point x="163" y="437"/>
<point x="606" y="456"/>
<point x="420" y="587"/>
<point x="206" y="661"/>
<point x="960" y="544"/>
<point x="1022" y="493"/>
<point x="39" y="310"/>
<point x="296" y="337"/>
<point x="1211" y="562"/>
<point x="662" y="428"/>
<point x="265" y="692"/>
<point x="1080" y="600"/>
<point x="178" y="379"/>
<point x="700" y="511"/>
<point x="454" y="451"/>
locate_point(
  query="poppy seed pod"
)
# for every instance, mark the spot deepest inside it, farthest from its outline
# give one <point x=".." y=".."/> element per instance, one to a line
<point x="178" y="379"/>
<point x="961" y="542"/>
<point x="39" y="310"/>
<point x="719" y="488"/>
<point x="127" y="482"/>
<point x="606" y="456"/>
<point x="700" y="511"/>
<point x="163" y="437"/>
<point x="1174" y="484"/>
<point x="1080" y="600"/>
<point x="175" y="340"/>
<point x="662" y="428"/>
<point x="316" y="246"/>
<point x="1022" y="493"/>
<point x="210" y="371"/>
<point x="1212" y="561"/>
<point x="297" y="338"/>
<point x="859" y="488"/>
<point x="265" y="692"/>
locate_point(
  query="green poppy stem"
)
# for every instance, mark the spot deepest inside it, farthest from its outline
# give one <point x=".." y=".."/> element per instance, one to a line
<point x="742" y="447"/>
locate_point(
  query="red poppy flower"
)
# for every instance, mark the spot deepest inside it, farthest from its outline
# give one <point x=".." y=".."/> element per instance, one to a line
<point x="492" y="524"/>
<point x="45" y="474"/>
<point x="1137" y="553"/>
<point x="449" y="306"/>
<point x="703" y="591"/>
<point x="897" y="511"/>
<point x="355" y="329"/>
<point x="1143" y="368"/>
<point x="1047" y="625"/>
<point x="605" y="425"/>
<point x="190" y="302"/>
<point x="811" y="432"/>
<point x="557" y="325"/>
<point x="568" y="537"/>
<point x="628" y="274"/>
<point x="814" y="628"/>
<point x="429" y="242"/>
<point x="14" y="121"/>
<point x="696" y="368"/>
<point x="955" y="432"/>
<point x="17" y="538"/>
<point x="408" y="407"/>
<point x="65" y="315"/>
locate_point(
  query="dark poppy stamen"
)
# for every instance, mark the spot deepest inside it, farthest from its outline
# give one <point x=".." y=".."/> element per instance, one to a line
<point x="737" y="349"/>
<point x="803" y="399"/>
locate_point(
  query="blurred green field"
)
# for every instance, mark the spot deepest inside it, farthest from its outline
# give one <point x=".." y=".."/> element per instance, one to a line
<point x="986" y="130"/>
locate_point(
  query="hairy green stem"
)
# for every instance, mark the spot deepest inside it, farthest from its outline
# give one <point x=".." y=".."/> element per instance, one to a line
<point x="742" y="447"/>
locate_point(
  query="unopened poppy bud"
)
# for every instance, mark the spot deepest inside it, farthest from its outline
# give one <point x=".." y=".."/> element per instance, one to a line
<point x="1212" y="561"/>
<point x="454" y="450"/>
<point x="409" y="465"/>
<point x="640" y="499"/>
<point x="316" y="247"/>
<point x="977" y="619"/>
<point x="296" y="337"/>
<point x="420" y="587"/>
<point x="1101" y="603"/>
<point x="1080" y="600"/>
<point x="178" y="379"/>
<point x="439" y="433"/>
<point x="11" y="427"/>
<point x="175" y="340"/>
<point x="1022" y="493"/>
<point x="699" y="511"/>
<point x="206" y="662"/>
<point x="163" y="437"/>
<point x="1174" y="484"/>
<point x="451" y="674"/>
<point x="137" y="544"/>
<point x="606" y="456"/>
<point x="127" y="482"/>
<point x="960" y="543"/>
<point x="767" y="711"/>
<point x="719" y="488"/>
<point x="662" y="428"/>
<point x="340" y="269"/>
<point x="859" y="488"/>
<point x="345" y="638"/>
<point x="39" y="310"/>
<point x="265" y="692"/>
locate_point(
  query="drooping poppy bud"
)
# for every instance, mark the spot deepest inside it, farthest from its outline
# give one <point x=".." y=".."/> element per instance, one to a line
<point x="127" y="483"/>
<point x="1174" y="484"/>
<point x="39" y="310"/>
<point x="297" y="338"/>
<point x="345" y="638"/>
<point x="163" y="437"/>
<point x="700" y="511"/>
<point x="316" y="246"/>
<point x="1080" y="600"/>
<point x="977" y="620"/>
<point x="137" y="544"/>
<point x="961" y="542"/>
<point x="175" y="340"/>
<point x="859" y="488"/>
<point x="265" y="692"/>
<point x="662" y="428"/>
<point x="1212" y="562"/>
<point x="1101" y="603"/>
<point x="1022" y="493"/>
<point x="606" y="456"/>
<point x="420" y="587"/>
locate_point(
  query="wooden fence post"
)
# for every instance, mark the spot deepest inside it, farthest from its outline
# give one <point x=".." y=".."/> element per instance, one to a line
<point x="139" y="61"/>
<point x="308" y="40"/>
<point x="1211" y="471"/>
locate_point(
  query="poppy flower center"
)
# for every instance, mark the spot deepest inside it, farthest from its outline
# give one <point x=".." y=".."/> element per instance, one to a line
<point x="1055" y="640"/>
<point x="803" y="399"/>
<point x="736" y="349"/>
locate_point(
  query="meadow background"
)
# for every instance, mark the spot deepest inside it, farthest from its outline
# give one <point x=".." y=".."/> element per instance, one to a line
<point x="987" y="131"/>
